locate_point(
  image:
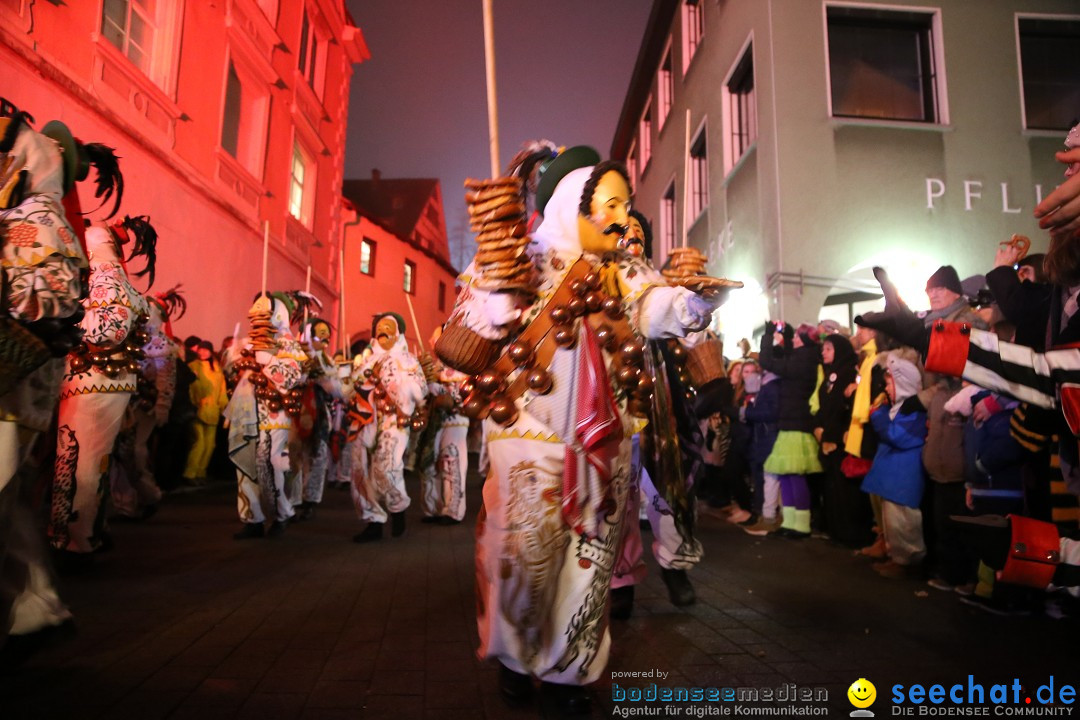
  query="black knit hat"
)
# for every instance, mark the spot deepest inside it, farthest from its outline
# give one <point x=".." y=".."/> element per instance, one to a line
<point x="945" y="277"/>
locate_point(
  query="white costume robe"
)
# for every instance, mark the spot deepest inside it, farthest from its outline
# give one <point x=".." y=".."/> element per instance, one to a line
<point x="442" y="481"/>
<point x="41" y="259"/>
<point x="259" y="436"/>
<point x="92" y="405"/>
<point x="378" y="454"/>
<point x="543" y="584"/>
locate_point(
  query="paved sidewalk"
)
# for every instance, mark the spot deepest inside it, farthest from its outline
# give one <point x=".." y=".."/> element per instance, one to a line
<point x="180" y="621"/>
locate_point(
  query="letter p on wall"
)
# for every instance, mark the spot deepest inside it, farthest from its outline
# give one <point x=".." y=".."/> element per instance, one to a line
<point x="935" y="188"/>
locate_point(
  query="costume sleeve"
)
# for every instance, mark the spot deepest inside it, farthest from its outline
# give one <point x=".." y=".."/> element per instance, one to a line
<point x="670" y="312"/>
<point x="1012" y="370"/>
<point x="108" y="318"/>
<point x="406" y="384"/>
<point x="40" y="254"/>
<point x="488" y="314"/>
<point x="285" y="369"/>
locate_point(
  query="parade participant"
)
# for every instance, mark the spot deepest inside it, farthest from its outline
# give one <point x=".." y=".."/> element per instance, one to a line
<point x="135" y="492"/>
<point x="559" y="452"/>
<point x="317" y="420"/>
<point x="270" y="364"/>
<point x="209" y="396"/>
<point x="99" y="379"/>
<point x="41" y="257"/>
<point x="390" y="378"/>
<point x="665" y="474"/>
<point x="442" y="450"/>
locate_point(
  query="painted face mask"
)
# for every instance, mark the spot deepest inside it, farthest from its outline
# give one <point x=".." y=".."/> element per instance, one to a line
<point x="386" y="333"/>
<point x="610" y="207"/>
<point x="634" y="242"/>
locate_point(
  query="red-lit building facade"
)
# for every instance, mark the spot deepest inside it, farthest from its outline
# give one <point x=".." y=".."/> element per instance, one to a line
<point x="395" y="245"/>
<point x="227" y="114"/>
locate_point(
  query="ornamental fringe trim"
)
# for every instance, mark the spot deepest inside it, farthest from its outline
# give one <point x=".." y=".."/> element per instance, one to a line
<point x="527" y="435"/>
<point x="93" y="389"/>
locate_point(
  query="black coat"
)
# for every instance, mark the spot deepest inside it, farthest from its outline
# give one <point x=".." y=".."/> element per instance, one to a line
<point x="798" y="368"/>
<point x="1025" y="304"/>
<point x="834" y="410"/>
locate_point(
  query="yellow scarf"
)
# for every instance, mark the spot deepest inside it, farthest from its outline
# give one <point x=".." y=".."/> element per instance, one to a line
<point x="860" y="413"/>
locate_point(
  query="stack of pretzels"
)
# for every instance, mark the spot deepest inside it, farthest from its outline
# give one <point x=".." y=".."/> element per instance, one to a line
<point x="684" y="262"/>
<point x="262" y="329"/>
<point x="497" y="215"/>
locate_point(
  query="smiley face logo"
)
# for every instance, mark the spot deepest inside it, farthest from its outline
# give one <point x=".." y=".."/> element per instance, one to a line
<point x="862" y="693"/>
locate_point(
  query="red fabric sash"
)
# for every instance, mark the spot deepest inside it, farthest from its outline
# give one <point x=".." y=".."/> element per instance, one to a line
<point x="597" y="434"/>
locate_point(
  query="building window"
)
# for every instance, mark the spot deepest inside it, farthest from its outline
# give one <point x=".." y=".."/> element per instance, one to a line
<point x="631" y="164"/>
<point x="665" y="87"/>
<point x="243" y="123"/>
<point x="1050" y="72"/>
<point x="667" y="220"/>
<point x="693" y="23"/>
<point x="410" y="277"/>
<point x="311" y="54"/>
<point x="699" y="176"/>
<point x="130" y="26"/>
<point x="367" y="256"/>
<point x="302" y="185"/>
<point x="740" y="109"/>
<point x="147" y="33"/>
<point x="883" y="64"/>
<point x="442" y="296"/>
<point x="645" y="139"/>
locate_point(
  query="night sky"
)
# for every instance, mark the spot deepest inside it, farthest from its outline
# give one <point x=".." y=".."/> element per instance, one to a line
<point x="418" y="107"/>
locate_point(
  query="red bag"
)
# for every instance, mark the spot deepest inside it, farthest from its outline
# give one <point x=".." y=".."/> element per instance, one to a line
<point x="855" y="467"/>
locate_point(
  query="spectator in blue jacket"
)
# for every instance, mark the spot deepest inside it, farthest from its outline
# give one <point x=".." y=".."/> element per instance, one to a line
<point x="897" y="474"/>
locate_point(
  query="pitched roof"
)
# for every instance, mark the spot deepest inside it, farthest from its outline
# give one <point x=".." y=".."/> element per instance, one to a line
<point x="396" y="203"/>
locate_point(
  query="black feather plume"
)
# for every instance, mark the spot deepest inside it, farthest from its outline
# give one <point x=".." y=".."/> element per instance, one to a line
<point x="144" y="244"/>
<point x="110" y="180"/>
<point x="174" y="302"/>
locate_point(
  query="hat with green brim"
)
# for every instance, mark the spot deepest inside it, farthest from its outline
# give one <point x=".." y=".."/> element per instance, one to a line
<point x="76" y="163"/>
<point x="553" y="171"/>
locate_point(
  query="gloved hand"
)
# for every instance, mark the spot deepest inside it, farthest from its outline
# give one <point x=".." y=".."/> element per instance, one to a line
<point x="896" y="320"/>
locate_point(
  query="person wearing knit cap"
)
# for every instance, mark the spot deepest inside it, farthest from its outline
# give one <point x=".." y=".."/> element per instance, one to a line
<point x="945" y="277"/>
<point x="795" y="453"/>
<point x="943" y="455"/>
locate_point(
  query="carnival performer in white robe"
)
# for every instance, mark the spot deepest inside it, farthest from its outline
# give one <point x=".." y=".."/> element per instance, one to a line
<point x="443" y="453"/>
<point x="270" y="365"/>
<point x="135" y="492"/>
<point x="323" y="390"/>
<point x="389" y="380"/>
<point x="559" y="461"/>
<point x="41" y="258"/>
<point x="99" y="380"/>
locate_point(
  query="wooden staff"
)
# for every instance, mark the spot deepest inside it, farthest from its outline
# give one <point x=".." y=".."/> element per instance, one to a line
<point x="686" y="185"/>
<point x="493" y="110"/>
<point x="307" y="290"/>
<point x="266" y="252"/>
<point x="341" y="301"/>
<point x="416" y="325"/>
